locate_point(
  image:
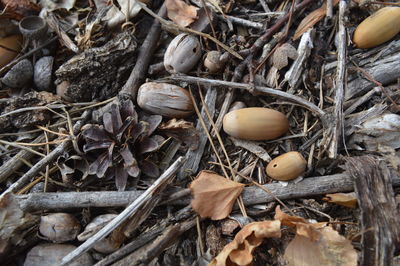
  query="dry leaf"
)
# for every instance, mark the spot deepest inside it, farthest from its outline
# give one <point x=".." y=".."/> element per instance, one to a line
<point x="316" y="244"/>
<point x="280" y="59"/>
<point x="344" y="199"/>
<point x="18" y="9"/>
<point x="239" y="251"/>
<point x="311" y="19"/>
<point x="52" y="5"/>
<point x="182" y="131"/>
<point x="180" y="12"/>
<point x="222" y="191"/>
<point x="116" y="16"/>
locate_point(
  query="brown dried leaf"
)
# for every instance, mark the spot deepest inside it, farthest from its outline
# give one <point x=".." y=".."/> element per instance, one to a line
<point x="222" y="191"/>
<point x="181" y="130"/>
<point x="311" y="19"/>
<point x="239" y="251"/>
<point x="316" y="244"/>
<point x="282" y="54"/>
<point x="18" y="9"/>
<point x="180" y="12"/>
<point x="344" y="199"/>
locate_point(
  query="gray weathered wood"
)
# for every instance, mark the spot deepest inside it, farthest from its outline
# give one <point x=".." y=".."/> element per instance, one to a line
<point x="191" y="166"/>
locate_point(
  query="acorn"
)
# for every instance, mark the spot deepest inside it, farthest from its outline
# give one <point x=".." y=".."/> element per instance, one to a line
<point x="213" y="62"/>
<point x="378" y="28"/>
<point x="52" y="254"/>
<point x="59" y="227"/>
<point x="255" y="123"/>
<point x="165" y="99"/>
<point x="19" y="75"/>
<point x="237" y="105"/>
<point x="14" y="44"/>
<point x="43" y="71"/>
<point x="182" y="54"/>
<point x="287" y="166"/>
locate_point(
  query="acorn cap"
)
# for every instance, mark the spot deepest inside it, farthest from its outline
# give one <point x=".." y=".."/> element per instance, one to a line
<point x="33" y="27"/>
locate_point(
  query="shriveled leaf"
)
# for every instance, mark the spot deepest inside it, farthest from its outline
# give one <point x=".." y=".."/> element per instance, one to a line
<point x="316" y="244"/>
<point x="180" y="12"/>
<point x="222" y="191"/>
<point x="239" y="251"/>
<point x="344" y="199"/>
<point x="69" y="165"/>
<point x="311" y="19"/>
<point x="282" y="54"/>
<point x="330" y="249"/>
<point x="17" y="9"/>
<point x="181" y="130"/>
<point x="116" y="16"/>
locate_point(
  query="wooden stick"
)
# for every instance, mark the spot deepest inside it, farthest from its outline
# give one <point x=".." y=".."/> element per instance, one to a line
<point x="379" y="215"/>
<point x="256" y="89"/>
<point x="341" y="83"/>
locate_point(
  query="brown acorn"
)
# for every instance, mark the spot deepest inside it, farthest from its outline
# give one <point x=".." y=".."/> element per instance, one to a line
<point x="14" y="44"/>
<point x="59" y="227"/>
<point x="255" y="123"/>
<point x="378" y="28"/>
<point x="165" y="99"/>
<point x="287" y="166"/>
<point x="182" y="54"/>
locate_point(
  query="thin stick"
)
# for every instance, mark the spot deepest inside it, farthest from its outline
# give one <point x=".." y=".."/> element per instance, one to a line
<point x="341" y="82"/>
<point x="256" y="89"/>
<point x="127" y="213"/>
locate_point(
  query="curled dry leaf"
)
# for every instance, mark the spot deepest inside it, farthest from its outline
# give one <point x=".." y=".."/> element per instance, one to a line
<point x="239" y="251"/>
<point x="222" y="191"/>
<point x="180" y="12"/>
<point x="344" y="199"/>
<point x="181" y="130"/>
<point x="128" y="9"/>
<point x="282" y="54"/>
<point x="311" y="19"/>
<point x="316" y="244"/>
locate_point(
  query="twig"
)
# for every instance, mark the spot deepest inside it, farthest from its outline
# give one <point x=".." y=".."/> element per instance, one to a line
<point x="46" y="160"/>
<point x="259" y="43"/>
<point x="15" y="162"/>
<point x="158" y="185"/>
<point x="341" y="81"/>
<point x="256" y="89"/>
<point x="145" y="54"/>
<point x="191" y="165"/>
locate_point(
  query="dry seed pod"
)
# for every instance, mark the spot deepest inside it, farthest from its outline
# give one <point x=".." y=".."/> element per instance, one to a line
<point x="213" y="62"/>
<point x="12" y="42"/>
<point x="165" y="99"/>
<point x="255" y="123"/>
<point x="59" y="227"/>
<point x="52" y="254"/>
<point x="378" y="28"/>
<point x="287" y="166"/>
<point x="43" y="73"/>
<point x="19" y="75"/>
<point x="182" y="54"/>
